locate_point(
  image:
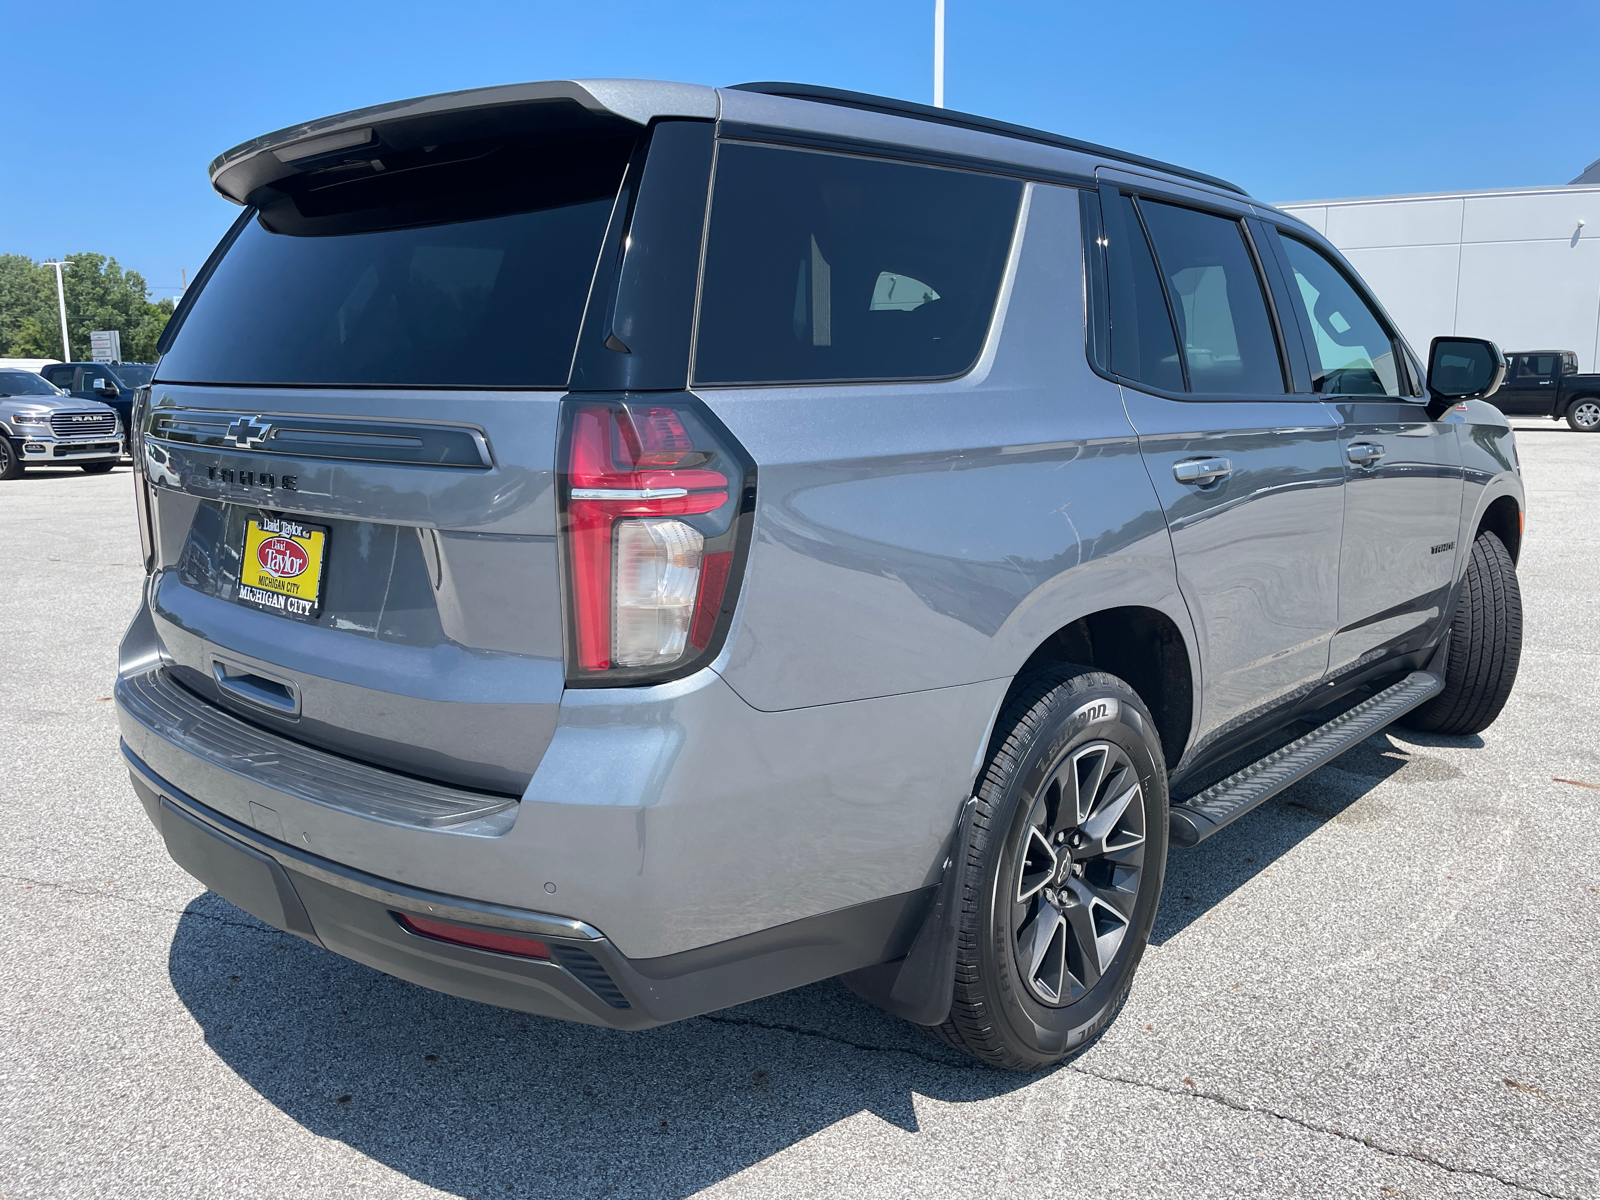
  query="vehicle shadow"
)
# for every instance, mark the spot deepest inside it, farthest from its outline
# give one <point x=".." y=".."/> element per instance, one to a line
<point x="1199" y="878"/>
<point x="479" y="1101"/>
<point x="36" y="474"/>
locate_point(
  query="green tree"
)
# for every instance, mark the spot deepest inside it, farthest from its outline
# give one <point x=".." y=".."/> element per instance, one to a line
<point x="27" y="309"/>
<point x="99" y="294"/>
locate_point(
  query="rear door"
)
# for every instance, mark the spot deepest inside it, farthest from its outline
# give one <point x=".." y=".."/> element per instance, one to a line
<point x="1403" y="472"/>
<point x="1248" y="471"/>
<point x="351" y="445"/>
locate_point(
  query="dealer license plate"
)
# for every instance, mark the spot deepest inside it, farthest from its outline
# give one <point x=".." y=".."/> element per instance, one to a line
<point x="281" y="568"/>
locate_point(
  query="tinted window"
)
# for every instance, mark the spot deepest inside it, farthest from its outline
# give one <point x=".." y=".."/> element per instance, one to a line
<point x="323" y="288"/>
<point x="1143" y="346"/>
<point x="25" y="383"/>
<point x="1534" y="368"/>
<point x="1353" y="354"/>
<point x="1227" y="338"/>
<point x="822" y="267"/>
<point x="132" y="376"/>
<point x="60" y="376"/>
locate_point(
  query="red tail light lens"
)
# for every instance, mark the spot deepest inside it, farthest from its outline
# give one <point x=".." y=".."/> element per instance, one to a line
<point x="478" y="939"/>
<point x="652" y="496"/>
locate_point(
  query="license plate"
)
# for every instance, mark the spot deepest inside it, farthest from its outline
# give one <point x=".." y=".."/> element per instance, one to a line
<point x="281" y="568"/>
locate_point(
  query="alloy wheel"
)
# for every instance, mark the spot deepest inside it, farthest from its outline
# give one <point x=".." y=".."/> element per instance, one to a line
<point x="1078" y="871"/>
<point x="1586" y="413"/>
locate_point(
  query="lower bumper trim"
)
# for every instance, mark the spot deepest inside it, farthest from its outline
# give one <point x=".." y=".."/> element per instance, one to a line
<point x="586" y="980"/>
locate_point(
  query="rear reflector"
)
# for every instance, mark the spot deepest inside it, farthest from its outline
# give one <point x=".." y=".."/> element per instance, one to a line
<point x="478" y="939"/>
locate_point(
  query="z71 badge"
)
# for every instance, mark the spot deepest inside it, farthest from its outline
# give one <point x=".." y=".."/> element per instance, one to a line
<point x="281" y="567"/>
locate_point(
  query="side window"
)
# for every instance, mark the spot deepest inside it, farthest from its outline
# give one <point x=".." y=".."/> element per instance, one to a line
<point x="1227" y="338"/>
<point x="1354" y="354"/>
<point x="825" y="268"/>
<point x="60" y="376"/>
<point x="1142" y="343"/>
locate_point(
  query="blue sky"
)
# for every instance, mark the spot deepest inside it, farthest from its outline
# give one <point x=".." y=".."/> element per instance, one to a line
<point x="106" y="135"/>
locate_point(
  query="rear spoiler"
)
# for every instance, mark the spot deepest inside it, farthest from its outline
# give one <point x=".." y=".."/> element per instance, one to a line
<point x="579" y="106"/>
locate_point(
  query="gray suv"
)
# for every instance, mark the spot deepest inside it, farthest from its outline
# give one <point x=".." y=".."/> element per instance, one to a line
<point x="617" y="550"/>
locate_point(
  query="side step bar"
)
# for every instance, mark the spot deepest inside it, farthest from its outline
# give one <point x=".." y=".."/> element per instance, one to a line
<point x="1200" y="816"/>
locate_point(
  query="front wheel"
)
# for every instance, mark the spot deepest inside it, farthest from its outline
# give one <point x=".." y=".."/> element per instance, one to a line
<point x="1584" y="416"/>
<point x="11" y="465"/>
<point x="96" y="468"/>
<point x="1485" y="646"/>
<point x="1064" y="869"/>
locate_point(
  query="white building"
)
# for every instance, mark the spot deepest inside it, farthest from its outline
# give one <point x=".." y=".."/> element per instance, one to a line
<point x="1519" y="265"/>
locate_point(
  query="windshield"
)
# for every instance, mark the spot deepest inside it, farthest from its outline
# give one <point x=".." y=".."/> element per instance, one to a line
<point x="467" y="274"/>
<point x="26" y="383"/>
<point x="134" y="375"/>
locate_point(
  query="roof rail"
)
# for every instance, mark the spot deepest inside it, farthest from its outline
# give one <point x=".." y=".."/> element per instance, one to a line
<point x="961" y="120"/>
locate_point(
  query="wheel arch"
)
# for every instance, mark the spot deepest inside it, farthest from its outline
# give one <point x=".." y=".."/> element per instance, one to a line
<point x="1502" y="517"/>
<point x="1142" y="646"/>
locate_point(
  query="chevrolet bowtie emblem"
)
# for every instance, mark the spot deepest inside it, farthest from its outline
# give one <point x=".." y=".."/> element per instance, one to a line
<point x="247" y="434"/>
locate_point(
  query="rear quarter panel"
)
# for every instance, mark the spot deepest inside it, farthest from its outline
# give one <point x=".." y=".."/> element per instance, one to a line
<point x="927" y="535"/>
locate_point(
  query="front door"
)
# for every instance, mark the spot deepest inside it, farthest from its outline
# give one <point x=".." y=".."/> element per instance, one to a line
<point x="1530" y="385"/>
<point x="1249" y="476"/>
<point x="1403" y="490"/>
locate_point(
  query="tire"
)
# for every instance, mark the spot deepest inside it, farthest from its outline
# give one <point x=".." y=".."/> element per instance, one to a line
<point x="96" y="468"/>
<point x="1485" y="646"/>
<point x="1583" y="414"/>
<point x="11" y="464"/>
<point x="1051" y="930"/>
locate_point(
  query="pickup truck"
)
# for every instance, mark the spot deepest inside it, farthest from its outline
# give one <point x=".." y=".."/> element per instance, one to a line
<point x="1546" y="383"/>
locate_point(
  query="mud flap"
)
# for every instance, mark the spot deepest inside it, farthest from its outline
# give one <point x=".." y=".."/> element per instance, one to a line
<point x="921" y="986"/>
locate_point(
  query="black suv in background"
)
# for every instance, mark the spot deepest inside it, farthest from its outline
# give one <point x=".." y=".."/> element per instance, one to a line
<point x="109" y="383"/>
<point x="1546" y="383"/>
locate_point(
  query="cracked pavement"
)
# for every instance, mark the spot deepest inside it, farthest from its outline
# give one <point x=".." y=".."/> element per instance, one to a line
<point x="1384" y="983"/>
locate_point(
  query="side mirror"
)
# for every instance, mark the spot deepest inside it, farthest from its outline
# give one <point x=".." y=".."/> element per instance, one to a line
<point x="1464" y="369"/>
<point x="105" y="387"/>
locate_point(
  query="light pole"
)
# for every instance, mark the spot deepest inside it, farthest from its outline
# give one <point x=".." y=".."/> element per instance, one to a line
<point x="938" y="53"/>
<point x="61" y="303"/>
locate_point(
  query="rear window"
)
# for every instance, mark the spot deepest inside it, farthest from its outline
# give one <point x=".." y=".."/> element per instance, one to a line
<point x="472" y="272"/>
<point x="826" y="268"/>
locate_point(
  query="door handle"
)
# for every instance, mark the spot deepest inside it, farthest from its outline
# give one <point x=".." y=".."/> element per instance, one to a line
<point x="244" y="684"/>
<point x="1363" y="454"/>
<point x="1202" y="471"/>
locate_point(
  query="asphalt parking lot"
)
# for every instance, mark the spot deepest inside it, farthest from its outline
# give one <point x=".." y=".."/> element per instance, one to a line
<point x="1386" y="983"/>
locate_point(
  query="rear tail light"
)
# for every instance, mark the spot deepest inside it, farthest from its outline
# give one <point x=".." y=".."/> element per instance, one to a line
<point x="656" y="497"/>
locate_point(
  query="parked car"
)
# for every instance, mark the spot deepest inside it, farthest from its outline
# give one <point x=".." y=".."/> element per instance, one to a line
<point x="856" y="577"/>
<point x="109" y="383"/>
<point x="1546" y="383"/>
<point x="41" y="425"/>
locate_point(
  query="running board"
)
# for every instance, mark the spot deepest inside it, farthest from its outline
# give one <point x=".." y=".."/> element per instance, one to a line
<point x="1200" y="816"/>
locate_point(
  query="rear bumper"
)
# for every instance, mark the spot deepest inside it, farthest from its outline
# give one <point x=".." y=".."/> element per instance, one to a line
<point x="587" y="979"/>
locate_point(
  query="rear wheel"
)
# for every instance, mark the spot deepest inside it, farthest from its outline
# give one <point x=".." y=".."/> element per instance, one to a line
<point x="1064" y="871"/>
<point x="1584" y="415"/>
<point x="1485" y="646"/>
<point x="11" y="465"/>
<point x="96" y="468"/>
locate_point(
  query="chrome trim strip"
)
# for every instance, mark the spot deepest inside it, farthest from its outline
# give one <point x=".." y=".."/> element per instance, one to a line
<point x="628" y="493"/>
<point x="374" y="440"/>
